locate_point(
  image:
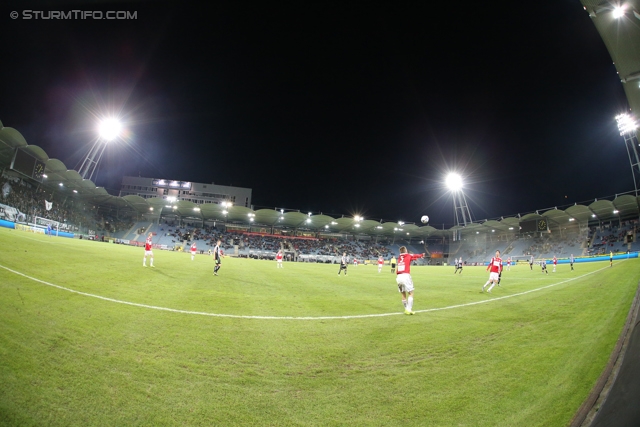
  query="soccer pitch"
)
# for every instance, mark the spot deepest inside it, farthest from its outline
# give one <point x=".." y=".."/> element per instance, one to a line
<point x="90" y="337"/>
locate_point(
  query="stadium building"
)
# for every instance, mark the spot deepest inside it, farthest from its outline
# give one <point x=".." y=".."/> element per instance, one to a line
<point x="174" y="190"/>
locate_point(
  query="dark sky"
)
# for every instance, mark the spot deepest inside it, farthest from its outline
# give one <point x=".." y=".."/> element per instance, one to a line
<point x="328" y="107"/>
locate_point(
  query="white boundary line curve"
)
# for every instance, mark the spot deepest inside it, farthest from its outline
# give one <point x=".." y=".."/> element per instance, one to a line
<point x="237" y="316"/>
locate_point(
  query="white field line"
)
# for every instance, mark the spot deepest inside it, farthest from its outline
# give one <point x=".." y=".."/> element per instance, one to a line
<point x="235" y="316"/>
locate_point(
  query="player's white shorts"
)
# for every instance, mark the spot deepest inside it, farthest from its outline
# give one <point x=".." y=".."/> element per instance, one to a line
<point x="279" y="261"/>
<point x="193" y="252"/>
<point x="148" y="253"/>
<point x="405" y="283"/>
<point x="493" y="276"/>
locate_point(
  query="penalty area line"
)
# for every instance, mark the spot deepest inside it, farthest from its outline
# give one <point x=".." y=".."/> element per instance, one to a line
<point x="237" y="316"/>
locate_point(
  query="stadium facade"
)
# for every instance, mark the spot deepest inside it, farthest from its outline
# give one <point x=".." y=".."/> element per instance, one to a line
<point x="175" y="190"/>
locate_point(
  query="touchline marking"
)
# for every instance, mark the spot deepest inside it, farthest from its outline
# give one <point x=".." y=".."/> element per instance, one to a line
<point x="236" y="316"/>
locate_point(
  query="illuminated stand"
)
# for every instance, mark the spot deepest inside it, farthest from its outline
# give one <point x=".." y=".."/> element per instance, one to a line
<point x="460" y="206"/>
<point x="627" y="127"/>
<point x="109" y="130"/>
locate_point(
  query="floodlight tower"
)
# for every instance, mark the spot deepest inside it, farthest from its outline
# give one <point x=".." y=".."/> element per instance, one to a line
<point x="460" y="206"/>
<point x="627" y="126"/>
<point x="108" y="130"/>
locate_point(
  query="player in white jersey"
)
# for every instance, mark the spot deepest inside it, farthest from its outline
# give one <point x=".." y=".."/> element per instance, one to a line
<point x="148" y="252"/>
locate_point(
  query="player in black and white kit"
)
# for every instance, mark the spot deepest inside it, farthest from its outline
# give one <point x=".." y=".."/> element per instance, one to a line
<point x="344" y="262"/>
<point x="458" y="262"/>
<point x="217" y="257"/>
<point x="531" y="263"/>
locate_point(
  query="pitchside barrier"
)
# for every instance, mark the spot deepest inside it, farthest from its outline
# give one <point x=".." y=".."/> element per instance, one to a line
<point x="594" y="258"/>
<point x="33" y="228"/>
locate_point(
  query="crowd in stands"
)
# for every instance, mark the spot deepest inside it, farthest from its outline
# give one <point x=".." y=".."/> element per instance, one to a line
<point x="250" y="242"/>
<point x="72" y="214"/>
<point x="610" y="237"/>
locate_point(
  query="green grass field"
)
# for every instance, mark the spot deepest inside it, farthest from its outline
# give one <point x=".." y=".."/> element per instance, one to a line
<point x="299" y="346"/>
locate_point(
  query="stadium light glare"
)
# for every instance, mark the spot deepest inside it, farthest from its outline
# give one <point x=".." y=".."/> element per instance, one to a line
<point x="616" y="211"/>
<point x="75" y="191"/>
<point x="454" y="182"/>
<point x="61" y="184"/>
<point x="618" y="11"/>
<point x="151" y="209"/>
<point x="224" y="212"/>
<point x="44" y="175"/>
<point x="400" y="222"/>
<point x="626" y="124"/>
<point x="109" y="129"/>
<point x="357" y="225"/>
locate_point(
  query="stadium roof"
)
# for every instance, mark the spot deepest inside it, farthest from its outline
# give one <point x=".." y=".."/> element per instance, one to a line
<point x="625" y="206"/>
<point x="621" y="36"/>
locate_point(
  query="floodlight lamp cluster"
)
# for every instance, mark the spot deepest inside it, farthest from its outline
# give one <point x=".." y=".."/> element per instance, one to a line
<point x="109" y="129"/>
<point x="626" y="124"/>
<point x="454" y="182"/>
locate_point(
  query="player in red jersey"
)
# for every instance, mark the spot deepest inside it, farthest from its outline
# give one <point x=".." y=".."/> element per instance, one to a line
<point x="279" y="259"/>
<point x="380" y="263"/>
<point x="403" y="278"/>
<point x="555" y="262"/>
<point x="194" y="248"/>
<point x="509" y="264"/>
<point x="147" y="250"/>
<point x="495" y="265"/>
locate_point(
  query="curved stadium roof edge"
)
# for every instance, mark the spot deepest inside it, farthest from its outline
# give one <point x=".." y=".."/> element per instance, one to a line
<point x="10" y="139"/>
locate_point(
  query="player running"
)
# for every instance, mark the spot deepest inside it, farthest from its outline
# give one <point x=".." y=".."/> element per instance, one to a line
<point x="279" y="259"/>
<point x="403" y="278"/>
<point x="543" y="265"/>
<point x="148" y="252"/>
<point x="555" y="263"/>
<point x="344" y="262"/>
<point x="194" y="248"/>
<point x="495" y="265"/>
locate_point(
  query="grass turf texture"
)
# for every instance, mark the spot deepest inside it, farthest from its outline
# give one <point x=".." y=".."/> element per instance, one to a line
<point x="71" y="359"/>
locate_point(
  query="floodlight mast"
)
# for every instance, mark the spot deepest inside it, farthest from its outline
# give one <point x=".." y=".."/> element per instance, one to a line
<point x="627" y="125"/>
<point x="460" y="207"/>
<point x="109" y="130"/>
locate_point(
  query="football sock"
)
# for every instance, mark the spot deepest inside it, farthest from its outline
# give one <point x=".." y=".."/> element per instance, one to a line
<point x="491" y="287"/>
<point x="404" y="303"/>
<point x="409" y="303"/>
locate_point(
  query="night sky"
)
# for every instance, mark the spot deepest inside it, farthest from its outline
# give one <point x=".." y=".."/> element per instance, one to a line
<point x="327" y="107"/>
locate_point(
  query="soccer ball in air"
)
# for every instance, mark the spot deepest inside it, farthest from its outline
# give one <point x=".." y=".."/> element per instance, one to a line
<point x="424" y="219"/>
